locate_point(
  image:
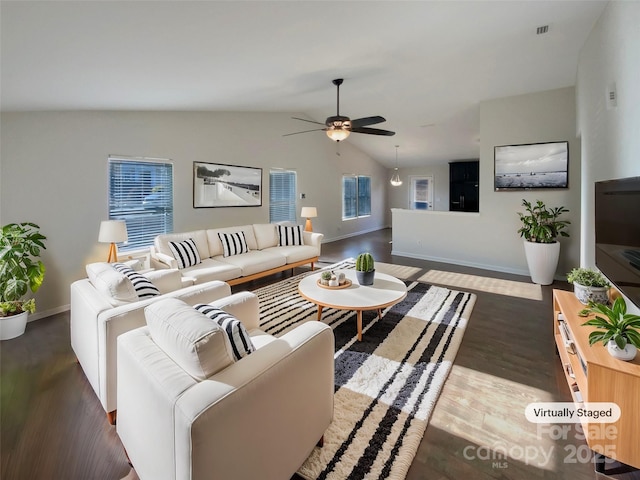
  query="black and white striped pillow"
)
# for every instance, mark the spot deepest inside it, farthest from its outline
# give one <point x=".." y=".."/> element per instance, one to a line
<point x="185" y="253"/>
<point x="233" y="243"/>
<point x="238" y="336"/>
<point x="141" y="284"/>
<point x="289" y="236"/>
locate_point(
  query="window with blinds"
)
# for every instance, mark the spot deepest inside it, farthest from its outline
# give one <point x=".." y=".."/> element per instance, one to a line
<point x="356" y="196"/>
<point x="282" y="196"/>
<point x="421" y="193"/>
<point x="141" y="194"/>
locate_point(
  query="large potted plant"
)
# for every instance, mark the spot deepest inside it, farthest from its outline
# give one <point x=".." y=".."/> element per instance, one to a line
<point x="365" y="269"/>
<point x="540" y="229"/>
<point x="616" y="329"/>
<point x="21" y="271"/>
<point x="589" y="285"/>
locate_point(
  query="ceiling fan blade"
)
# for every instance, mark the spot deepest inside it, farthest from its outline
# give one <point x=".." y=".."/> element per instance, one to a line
<point x="363" y="122"/>
<point x="373" y="131"/>
<point x="305" y="120"/>
<point x="304" y="131"/>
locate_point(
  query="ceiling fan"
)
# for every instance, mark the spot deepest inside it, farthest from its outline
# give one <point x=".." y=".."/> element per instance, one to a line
<point x="339" y="127"/>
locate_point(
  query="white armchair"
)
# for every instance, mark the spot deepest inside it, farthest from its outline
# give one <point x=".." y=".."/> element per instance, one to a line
<point x="258" y="417"/>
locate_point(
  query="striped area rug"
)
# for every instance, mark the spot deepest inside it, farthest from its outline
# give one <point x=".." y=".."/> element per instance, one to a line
<point x="385" y="386"/>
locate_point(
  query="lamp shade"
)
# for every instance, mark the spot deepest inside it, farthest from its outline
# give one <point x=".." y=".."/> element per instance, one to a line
<point x="337" y="134"/>
<point x="309" y="212"/>
<point x="113" y="231"/>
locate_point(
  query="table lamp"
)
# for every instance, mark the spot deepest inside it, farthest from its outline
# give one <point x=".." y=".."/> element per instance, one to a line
<point x="309" y="213"/>
<point x="113" y="231"/>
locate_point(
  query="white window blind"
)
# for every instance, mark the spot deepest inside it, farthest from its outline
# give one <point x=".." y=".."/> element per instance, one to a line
<point x="356" y="196"/>
<point x="282" y="196"/>
<point x="141" y="194"/>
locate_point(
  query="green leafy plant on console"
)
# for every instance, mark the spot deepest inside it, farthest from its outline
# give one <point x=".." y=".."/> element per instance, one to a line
<point x="614" y="324"/>
<point x="588" y="278"/>
<point x="21" y="270"/>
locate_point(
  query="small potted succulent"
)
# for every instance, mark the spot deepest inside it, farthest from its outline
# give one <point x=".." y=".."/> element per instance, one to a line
<point x="21" y="271"/>
<point x="589" y="285"/>
<point x="325" y="277"/>
<point x="615" y="328"/>
<point x="365" y="269"/>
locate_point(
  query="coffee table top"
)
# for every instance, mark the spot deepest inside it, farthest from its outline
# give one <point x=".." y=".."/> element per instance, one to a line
<point x="385" y="291"/>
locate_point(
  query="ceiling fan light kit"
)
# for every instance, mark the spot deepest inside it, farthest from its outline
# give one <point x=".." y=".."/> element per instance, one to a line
<point x="339" y="127"/>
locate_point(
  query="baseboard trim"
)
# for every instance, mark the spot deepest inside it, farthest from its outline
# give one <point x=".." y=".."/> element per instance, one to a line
<point x="354" y="234"/>
<point x="455" y="261"/>
<point x="47" y="313"/>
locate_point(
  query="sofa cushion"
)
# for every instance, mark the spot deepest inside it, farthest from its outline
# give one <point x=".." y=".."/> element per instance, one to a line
<point x="117" y="288"/>
<point x="266" y="235"/>
<point x="256" y="261"/>
<point x="185" y="253"/>
<point x="210" y="269"/>
<point x="233" y="243"/>
<point x="161" y="242"/>
<point x="168" y="280"/>
<point x="198" y="345"/>
<point x="236" y="333"/>
<point x="289" y="236"/>
<point x="295" y="253"/>
<point x="143" y="287"/>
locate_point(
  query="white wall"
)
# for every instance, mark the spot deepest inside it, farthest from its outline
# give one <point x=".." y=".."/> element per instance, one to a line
<point x="54" y="173"/>
<point x="610" y="137"/>
<point x="489" y="239"/>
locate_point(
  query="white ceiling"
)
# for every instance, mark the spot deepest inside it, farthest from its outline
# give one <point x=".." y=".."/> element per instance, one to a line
<point x="423" y="65"/>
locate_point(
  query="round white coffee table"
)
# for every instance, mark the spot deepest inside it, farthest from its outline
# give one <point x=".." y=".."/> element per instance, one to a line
<point x="385" y="291"/>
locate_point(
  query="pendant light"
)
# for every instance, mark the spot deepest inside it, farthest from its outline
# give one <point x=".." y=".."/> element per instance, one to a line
<point x="395" y="179"/>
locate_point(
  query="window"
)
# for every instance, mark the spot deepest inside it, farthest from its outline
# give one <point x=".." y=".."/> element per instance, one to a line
<point x="356" y="196"/>
<point x="141" y="194"/>
<point x="421" y="193"/>
<point x="282" y="196"/>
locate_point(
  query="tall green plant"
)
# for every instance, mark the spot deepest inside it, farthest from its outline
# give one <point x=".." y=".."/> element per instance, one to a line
<point x="541" y="224"/>
<point x="20" y="269"/>
<point x="365" y="263"/>
<point x="618" y="325"/>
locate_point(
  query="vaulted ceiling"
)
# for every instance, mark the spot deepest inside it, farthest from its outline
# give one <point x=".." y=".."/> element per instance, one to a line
<point x="424" y="65"/>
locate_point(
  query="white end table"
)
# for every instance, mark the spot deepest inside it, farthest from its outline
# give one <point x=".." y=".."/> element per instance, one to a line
<point x="385" y="291"/>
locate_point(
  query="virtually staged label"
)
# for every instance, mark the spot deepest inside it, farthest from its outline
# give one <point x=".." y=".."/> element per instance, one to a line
<point x="568" y="412"/>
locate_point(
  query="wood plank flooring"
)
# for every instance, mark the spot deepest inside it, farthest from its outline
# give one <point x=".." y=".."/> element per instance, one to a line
<point x="53" y="427"/>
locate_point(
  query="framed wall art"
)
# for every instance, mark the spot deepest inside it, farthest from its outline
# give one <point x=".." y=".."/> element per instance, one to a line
<point x="218" y="185"/>
<point x="531" y="166"/>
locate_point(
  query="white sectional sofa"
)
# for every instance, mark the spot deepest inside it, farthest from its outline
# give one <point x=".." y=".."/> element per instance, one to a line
<point x="254" y="418"/>
<point x="265" y="256"/>
<point x="105" y="305"/>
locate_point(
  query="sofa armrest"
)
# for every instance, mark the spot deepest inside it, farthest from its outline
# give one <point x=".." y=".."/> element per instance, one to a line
<point x="161" y="260"/>
<point x="275" y="403"/>
<point x="313" y="239"/>
<point x="242" y="305"/>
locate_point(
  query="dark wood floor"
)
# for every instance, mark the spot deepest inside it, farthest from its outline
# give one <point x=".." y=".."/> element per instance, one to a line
<point x="53" y="426"/>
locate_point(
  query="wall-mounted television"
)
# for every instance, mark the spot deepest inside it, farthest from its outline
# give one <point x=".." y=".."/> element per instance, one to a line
<point x="617" y="228"/>
<point x="531" y="166"/>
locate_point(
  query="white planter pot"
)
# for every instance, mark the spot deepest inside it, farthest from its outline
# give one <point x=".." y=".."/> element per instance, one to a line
<point x="596" y="294"/>
<point x="13" y="326"/>
<point x="542" y="259"/>
<point x="627" y="354"/>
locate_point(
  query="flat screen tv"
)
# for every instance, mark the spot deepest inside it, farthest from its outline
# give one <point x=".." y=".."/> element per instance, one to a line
<point x="617" y="225"/>
<point x="531" y="166"/>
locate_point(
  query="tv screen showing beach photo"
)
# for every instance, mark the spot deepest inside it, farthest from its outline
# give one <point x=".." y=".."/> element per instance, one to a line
<point x="536" y="165"/>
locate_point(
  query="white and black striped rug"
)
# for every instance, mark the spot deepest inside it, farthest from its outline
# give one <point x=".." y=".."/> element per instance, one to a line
<point x="386" y="386"/>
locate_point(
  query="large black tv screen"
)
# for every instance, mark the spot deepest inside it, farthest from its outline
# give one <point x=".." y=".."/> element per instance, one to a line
<point x="531" y="166"/>
<point x="617" y="225"/>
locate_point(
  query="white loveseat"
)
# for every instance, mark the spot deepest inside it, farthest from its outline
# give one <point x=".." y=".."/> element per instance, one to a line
<point x="265" y="255"/>
<point x="105" y="305"/>
<point x="255" y="418"/>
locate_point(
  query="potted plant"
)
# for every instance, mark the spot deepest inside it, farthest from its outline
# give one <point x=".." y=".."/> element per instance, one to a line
<point x="20" y="272"/>
<point x="621" y="332"/>
<point x="365" y="269"/>
<point x="589" y="285"/>
<point x="325" y="277"/>
<point x="540" y="229"/>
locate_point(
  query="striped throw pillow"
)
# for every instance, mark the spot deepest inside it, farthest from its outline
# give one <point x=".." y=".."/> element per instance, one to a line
<point x="141" y="284"/>
<point x="185" y="253"/>
<point x="233" y="243"/>
<point x="289" y="236"/>
<point x="238" y="336"/>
